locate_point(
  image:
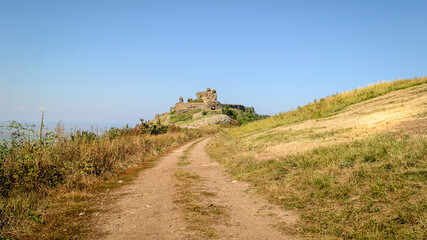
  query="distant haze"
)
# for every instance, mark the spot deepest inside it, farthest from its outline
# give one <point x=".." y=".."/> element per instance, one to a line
<point x="68" y="127"/>
<point x="115" y="62"/>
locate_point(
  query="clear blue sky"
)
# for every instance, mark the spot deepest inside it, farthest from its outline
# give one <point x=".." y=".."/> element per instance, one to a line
<point x="118" y="61"/>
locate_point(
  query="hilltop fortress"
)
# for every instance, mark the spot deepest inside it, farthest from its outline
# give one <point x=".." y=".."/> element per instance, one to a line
<point x="206" y="101"/>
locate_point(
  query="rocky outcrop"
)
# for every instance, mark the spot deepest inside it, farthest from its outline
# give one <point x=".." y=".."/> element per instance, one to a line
<point x="216" y="119"/>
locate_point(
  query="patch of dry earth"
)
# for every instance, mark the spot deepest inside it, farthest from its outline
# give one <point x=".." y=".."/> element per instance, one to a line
<point x="379" y="114"/>
<point x="146" y="208"/>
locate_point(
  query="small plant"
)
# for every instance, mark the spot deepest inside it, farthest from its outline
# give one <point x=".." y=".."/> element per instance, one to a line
<point x="183" y="161"/>
<point x="35" y="217"/>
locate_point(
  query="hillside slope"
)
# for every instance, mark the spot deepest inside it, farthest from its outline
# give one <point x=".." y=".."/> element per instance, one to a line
<point x="353" y="165"/>
<point x="356" y="121"/>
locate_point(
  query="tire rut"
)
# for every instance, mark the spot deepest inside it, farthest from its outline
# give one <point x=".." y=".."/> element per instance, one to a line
<point x="148" y="207"/>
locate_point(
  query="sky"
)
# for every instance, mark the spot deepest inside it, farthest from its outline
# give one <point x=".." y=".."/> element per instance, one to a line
<point x="102" y="61"/>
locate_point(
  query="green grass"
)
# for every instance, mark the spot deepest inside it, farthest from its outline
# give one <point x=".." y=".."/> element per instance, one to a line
<point x="183" y="161"/>
<point x="183" y="116"/>
<point x="187" y="117"/>
<point x="328" y="106"/>
<point x="373" y="188"/>
<point x="189" y="121"/>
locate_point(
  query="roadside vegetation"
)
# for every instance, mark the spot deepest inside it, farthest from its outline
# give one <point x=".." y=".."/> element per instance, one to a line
<point x="372" y="186"/>
<point x="47" y="182"/>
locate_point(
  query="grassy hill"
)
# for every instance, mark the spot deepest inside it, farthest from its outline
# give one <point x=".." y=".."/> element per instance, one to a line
<point x="185" y="118"/>
<point x="352" y="165"/>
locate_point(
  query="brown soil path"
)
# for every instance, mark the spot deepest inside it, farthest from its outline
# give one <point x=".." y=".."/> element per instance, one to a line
<point x="146" y="208"/>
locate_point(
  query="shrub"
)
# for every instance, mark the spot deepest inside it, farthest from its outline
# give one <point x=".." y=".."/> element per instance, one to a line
<point x="30" y="170"/>
<point x="229" y="112"/>
<point x="242" y="117"/>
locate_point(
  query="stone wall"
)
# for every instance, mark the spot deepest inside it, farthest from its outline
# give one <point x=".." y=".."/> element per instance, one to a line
<point x="212" y="106"/>
<point x="182" y="107"/>
<point x="210" y="102"/>
<point x="185" y="107"/>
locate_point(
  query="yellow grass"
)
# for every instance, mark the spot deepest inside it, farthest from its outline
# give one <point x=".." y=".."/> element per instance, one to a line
<point x="353" y="164"/>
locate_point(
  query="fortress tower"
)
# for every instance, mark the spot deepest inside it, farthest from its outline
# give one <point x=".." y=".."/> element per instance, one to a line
<point x="206" y="101"/>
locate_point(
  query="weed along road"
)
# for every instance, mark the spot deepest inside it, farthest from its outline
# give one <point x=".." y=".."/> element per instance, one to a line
<point x="189" y="196"/>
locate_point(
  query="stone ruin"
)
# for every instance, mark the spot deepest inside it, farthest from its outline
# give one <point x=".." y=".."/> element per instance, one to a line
<point x="208" y="96"/>
<point x="206" y="101"/>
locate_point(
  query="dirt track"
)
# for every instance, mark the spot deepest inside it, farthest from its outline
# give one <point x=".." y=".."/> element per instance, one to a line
<point x="147" y="208"/>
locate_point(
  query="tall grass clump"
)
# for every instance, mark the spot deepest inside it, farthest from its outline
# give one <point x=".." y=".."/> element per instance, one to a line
<point x="374" y="188"/>
<point x="330" y="105"/>
<point x="32" y="169"/>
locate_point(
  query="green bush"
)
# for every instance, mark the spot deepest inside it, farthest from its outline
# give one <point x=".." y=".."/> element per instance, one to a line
<point x="229" y="112"/>
<point x="242" y="117"/>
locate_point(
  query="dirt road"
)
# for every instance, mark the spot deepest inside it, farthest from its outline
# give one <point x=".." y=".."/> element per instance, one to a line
<point x="209" y="204"/>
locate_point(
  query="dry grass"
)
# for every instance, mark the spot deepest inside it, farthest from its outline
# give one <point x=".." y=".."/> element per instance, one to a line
<point x="72" y="214"/>
<point x="329" y="106"/>
<point x="354" y="122"/>
<point x="354" y="164"/>
<point x="200" y="213"/>
<point x="366" y="189"/>
<point x="47" y="191"/>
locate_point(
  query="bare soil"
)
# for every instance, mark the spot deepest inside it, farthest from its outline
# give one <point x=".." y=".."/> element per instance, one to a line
<point x="148" y="207"/>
